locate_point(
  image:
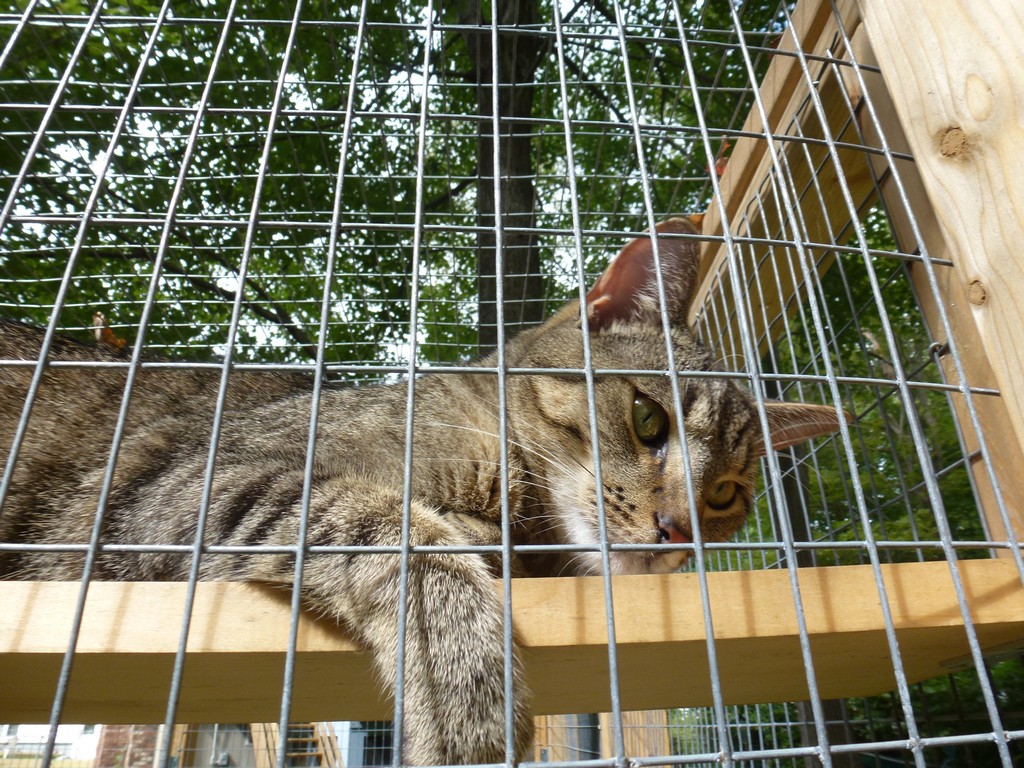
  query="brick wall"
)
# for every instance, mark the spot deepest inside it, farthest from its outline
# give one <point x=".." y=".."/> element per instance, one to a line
<point x="127" y="746"/>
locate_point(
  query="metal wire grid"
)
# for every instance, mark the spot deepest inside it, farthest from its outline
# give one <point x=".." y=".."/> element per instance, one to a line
<point x="126" y="169"/>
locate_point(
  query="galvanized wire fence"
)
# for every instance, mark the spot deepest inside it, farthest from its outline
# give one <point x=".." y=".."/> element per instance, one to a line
<point x="311" y="187"/>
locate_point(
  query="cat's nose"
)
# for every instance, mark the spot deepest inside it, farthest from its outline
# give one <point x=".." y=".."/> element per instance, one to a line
<point x="669" y="533"/>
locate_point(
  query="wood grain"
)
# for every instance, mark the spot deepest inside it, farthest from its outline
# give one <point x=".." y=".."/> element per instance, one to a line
<point x="957" y="82"/>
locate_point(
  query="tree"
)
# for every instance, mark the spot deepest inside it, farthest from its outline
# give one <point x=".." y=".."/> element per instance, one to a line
<point x="369" y="318"/>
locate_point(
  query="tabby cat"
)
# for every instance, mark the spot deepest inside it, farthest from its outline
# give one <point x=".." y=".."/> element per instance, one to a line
<point x="454" y="706"/>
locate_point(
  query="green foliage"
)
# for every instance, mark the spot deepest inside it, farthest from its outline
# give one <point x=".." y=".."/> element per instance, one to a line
<point x="225" y="183"/>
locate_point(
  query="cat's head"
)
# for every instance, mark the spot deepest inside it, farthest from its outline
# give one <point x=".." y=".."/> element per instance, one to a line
<point x="645" y="481"/>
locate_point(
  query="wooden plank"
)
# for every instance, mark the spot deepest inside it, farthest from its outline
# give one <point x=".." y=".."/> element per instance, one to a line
<point x="957" y="73"/>
<point x="749" y="187"/>
<point x="1005" y="450"/>
<point x="235" y="655"/>
<point x="781" y="90"/>
<point x="264" y="744"/>
<point x="644" y="734"/>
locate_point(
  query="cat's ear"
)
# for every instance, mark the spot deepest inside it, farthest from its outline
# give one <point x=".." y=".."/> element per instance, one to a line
<point x="628" y="289"/>
<point x="792" y="423"/>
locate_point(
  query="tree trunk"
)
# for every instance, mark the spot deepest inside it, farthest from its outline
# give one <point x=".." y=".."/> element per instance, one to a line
<point x="519" y="256"/>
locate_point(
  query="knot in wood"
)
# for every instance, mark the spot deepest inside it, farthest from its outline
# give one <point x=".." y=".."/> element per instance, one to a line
<point x="976" y="293"/>
<point x="953" y="142"/>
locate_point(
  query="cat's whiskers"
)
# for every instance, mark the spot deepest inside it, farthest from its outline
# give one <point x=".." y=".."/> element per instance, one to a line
<point x="552" y="520"/>
<point x="541" y="453"/>
<point x="723" y="362"/>
<point x="539" y="444"/>
<point x="572" y="568"/>
<point x="541" y="479"/>
<point x="539" y="483"/>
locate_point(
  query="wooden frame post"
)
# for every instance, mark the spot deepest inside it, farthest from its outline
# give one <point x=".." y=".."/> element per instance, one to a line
<point x="1005" y="451"/>
<point x="956" y="82"/>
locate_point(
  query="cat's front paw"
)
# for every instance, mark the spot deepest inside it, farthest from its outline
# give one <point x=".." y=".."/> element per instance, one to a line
<point x="455" y="711"/>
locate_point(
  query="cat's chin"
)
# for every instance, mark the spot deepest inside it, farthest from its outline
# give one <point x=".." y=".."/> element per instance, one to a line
<point x="648" y="562"/>
<point x="631" y="563"/>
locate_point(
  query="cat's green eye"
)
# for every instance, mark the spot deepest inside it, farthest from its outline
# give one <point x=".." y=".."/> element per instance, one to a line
<point x="650" y="422"/>
<point x="722" y="495"/>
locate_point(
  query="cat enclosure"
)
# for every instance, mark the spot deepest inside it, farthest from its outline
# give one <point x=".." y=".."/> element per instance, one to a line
<point x="303" y="186"/>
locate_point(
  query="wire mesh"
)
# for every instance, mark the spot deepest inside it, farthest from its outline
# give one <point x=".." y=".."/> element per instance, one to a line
<point x="312" y="187"/>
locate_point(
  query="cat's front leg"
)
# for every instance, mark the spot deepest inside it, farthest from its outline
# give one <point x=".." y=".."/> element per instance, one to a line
<point x="454" y="648"/>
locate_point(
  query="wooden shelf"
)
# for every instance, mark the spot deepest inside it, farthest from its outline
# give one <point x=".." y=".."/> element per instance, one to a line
<point x="239" y="634"/>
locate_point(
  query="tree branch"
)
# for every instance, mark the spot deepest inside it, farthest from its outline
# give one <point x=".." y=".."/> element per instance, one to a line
<point x="275" y="313"/>
<point x="435" y="203"/>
